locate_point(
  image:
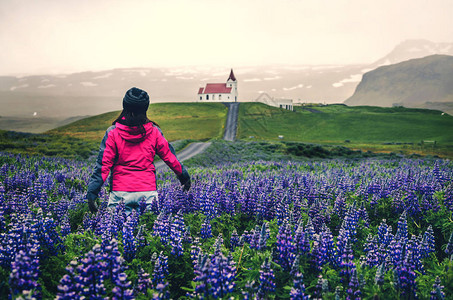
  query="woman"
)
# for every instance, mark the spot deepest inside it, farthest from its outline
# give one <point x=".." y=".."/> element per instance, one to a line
<point x="127" y="152"/>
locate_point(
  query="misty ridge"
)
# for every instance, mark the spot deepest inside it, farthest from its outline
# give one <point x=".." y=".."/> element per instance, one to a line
<point x="42" y="102"/>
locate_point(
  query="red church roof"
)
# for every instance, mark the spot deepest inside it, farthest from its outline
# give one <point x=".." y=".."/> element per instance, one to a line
<point x="200" y="91"/>
<point x="215" y="88"/>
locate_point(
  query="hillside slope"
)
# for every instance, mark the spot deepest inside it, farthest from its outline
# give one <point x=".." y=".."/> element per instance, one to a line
<point x="411" y="83"/>
<point x="198" y="121"/>
<point x="361" y="127"/>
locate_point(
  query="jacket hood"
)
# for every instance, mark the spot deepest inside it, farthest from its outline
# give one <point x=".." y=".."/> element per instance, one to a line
<point x="134" y="134"/>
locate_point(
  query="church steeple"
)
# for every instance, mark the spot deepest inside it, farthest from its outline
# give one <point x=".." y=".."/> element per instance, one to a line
<point x="232" y="77"/>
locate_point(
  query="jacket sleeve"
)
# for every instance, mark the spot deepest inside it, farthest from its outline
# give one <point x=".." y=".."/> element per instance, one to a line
<point x="167" y="153"/>
<point x="97" y="178"/>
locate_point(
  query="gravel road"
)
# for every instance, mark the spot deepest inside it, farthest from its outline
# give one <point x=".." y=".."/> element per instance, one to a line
<point x="231" y="121"/>
<point x="188" y="152"/>
<point x="196" y="148"/>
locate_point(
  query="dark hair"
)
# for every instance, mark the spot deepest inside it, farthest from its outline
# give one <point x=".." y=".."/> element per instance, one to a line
<point x="130" y="118"/>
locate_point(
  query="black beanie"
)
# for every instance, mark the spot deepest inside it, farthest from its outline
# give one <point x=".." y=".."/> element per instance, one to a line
<point x="136" y="100"/>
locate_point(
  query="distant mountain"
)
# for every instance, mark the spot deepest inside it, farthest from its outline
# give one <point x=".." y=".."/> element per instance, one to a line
<point x="413" y="83"/>
<point x="411" y="49"/>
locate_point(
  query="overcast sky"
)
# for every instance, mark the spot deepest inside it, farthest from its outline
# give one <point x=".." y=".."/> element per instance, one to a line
<point x="61" y="36"/>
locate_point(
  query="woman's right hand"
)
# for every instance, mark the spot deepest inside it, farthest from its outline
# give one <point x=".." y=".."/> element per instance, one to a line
<point x="184" y="179"/>
<point x="92" y="205"/>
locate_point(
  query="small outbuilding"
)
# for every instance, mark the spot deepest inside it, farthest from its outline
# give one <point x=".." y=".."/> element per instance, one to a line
<point x="276" y="102"/>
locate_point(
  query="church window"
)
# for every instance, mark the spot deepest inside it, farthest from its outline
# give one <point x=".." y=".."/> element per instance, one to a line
<point x="207" y="97"/>
<point x="220" y="97"/>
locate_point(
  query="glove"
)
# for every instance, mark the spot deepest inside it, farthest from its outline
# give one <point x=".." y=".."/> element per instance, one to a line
<point x="184" y="179"/>
<point x="92" y="205"/>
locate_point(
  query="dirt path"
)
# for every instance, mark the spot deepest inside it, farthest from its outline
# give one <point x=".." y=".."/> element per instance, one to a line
<point x="197" y="148"/>
<point x="231" y="121"/>
<point x="188" y="152"/>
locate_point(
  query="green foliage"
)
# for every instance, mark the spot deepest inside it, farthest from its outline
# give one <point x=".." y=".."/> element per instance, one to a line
<point x="76" y="216"/>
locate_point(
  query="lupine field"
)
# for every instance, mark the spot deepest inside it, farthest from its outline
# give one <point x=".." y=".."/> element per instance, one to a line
<point x="327" y="229"/>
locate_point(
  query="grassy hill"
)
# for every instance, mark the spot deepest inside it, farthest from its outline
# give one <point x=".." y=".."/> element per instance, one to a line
<point x="397" y="129"/>
<point x="361" y="127"/>
<point x="178" y="121"/>
<point x="198" y="121"/>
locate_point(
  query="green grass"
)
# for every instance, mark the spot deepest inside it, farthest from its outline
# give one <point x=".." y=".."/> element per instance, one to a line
<point x="375" y="129"/>
<point x="180" y="122"/>
<point x="197" y="121"/>
<point x="396" y="129"/>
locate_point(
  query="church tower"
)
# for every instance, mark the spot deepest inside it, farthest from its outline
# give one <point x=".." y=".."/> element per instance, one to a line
<point x="233" y="84"/>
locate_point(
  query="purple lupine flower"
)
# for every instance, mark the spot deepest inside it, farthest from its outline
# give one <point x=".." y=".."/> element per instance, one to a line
<point x="24" y="273"/>
<point x="322" y="287"/>
<point x="282" y="211"/>
<point x="449" y="197"/>
<point x="267" y="284"/>
<point x="414" y="246"/>
<point x="249" y="292"/>
<point x="222" y="275"/>
<point x="142" y="206"/>
<point x="140" y="237"/>
<point x="255" y="238"/>
<point x="339" y="207"/>
<point x="404" y="277"/>
<point x="160" y="271"/>
<point x="111" y="261"/>
<point x="90" y="278"/>
<point x="176" y="233"/>
<point x="437" y="292"/>
<point x="326" y="247"/>
<point x="161" y="292"/>
<point x="120" y="215"/>
<point x="48" y="236"/>
<point x="295" y="268"/>
<point x="129" y="244"/>
<point x="122" y="289"/>
<point x="371" y="250"/>
<point x="395" y="251"/>
<point x="65" y="227"/>
<point x="301" y="240"/>
<point x="187" y="237"/>
<point x="309" y="229"/>
<point x="401" y="232"/>
<point x="449" y="247"/>
<point x="143" y="282"/>
<point x="380" y="272"/>
<point x="346" y="264"/>
<point x="382" y="235"/>
<point x="264" y="236"/>
<point x="202" y="276"/>
<point x="67" y="289"/>
<point x="234" y="240"/>
<point x="298" y="290"/>
<point x="246" y="237"/>
<point x="363" y="215"/>
<point x="353" y="291"/>
<point x="285" y="248"/>
<point x="195" y="251"/>
<point x="161" y="228"/>
<point x="205" y="232"/>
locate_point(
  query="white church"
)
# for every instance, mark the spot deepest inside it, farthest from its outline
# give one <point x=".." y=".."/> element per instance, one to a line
<point x="220" y="92"/>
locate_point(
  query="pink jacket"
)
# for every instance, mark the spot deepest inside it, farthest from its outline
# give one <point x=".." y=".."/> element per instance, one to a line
<point x="129" y="156"/>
